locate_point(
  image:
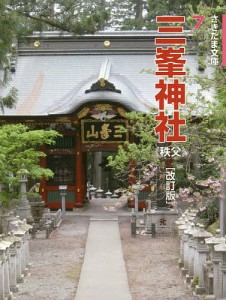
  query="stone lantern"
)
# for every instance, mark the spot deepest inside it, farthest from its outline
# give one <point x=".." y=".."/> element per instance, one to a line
<point x="92" y="191"/>
<point x="99" y="193"/>
<point x="182" y="220"/>
<point x="114" y="195"/>
<point x="24" y="208"/>
<point x="108" y="194"/>
<point x="191" y="214"/>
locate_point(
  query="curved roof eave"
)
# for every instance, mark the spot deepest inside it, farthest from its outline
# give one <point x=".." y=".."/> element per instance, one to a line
<point x="128" y="98"/>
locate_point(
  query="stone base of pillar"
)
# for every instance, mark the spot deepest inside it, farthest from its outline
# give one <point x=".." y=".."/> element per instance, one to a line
<point x="184" y="271"/>
<point x="180" y="263"/>
<point x="192" y="284"/>
<point x="210" y="297"/>
<point x="20" y="279"/>
<point x="24" y="212"/>
<point x="199" y="290"/>
<point x="8" y="296"/>
<point x="28" y="265"/>
<point x="14" y="289"/>
<point x="164" y="220"/>
<point x="26" y="272"/>
<point x="188" y="279"/>
<point x="79" y="204"/>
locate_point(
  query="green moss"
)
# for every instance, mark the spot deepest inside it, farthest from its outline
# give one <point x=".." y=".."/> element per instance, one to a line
<point x="213" y="227"/>
<point x="74" y="273"/>
<point x="196" y="280"/>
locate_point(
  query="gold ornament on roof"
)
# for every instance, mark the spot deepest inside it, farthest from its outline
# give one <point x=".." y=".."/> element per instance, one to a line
<point x="121" y="111"/>
<point x="107" y="43"/>
<point x="37" y="44"/>
<point x="102" y="82"/>
<point x="103" y="107"/>
<point x="83" y="112"/>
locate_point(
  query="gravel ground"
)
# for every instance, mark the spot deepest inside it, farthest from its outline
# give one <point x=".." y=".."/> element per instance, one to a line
<point x="56" y="262"/>
<point x="151" y="263"/>
<point x="152" y="266"/>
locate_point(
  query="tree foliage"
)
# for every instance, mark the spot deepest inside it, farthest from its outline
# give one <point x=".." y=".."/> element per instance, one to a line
<point x="8" y="32"/>
<point x="19" y="147"/>
<point x="78" y="17"/>
<point x="139" y="153"/>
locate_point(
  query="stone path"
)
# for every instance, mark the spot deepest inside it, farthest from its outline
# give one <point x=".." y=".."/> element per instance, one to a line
<point x="103" y="274"/>
<point x="57" y="261"/>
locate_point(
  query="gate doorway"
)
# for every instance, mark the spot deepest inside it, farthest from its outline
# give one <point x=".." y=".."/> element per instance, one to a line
<point x="99" y="174"/>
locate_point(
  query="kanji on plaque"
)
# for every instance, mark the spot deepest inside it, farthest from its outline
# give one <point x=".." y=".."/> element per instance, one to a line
<point x="105" y="131"/>
<point x="101" y="132"/>
<point x="92" y="132"/>
<point x="117" y="131"/>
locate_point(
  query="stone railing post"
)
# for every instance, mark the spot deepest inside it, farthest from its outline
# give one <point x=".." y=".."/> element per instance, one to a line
<point x="12" y="263"/>
<point x="2" y="262"/>
<point x="24" y="227"/>
<point x="191" y="253"/>
<point x="200" y="258"/>
<point x="19" y="234"/>
<point x="58" y="219"/>
<point x="221" y="248"/>
<point x="215" y="259"/>
<point x="7" y="218"/>
<point x="185" y="269"/>
<point x="5" y="257"/>
<point x="181" y="229"/>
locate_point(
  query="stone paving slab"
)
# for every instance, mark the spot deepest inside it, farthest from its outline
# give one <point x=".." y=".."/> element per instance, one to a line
<point x="103" y="274"/>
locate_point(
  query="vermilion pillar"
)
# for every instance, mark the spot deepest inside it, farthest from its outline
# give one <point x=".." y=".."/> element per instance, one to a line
<point x="79" y="173"/>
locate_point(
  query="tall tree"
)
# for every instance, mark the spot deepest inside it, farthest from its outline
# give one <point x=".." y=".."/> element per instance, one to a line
<point x="8" y="32"/>
<point x="75" y="16"/>
<point x="21" y="17"/>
